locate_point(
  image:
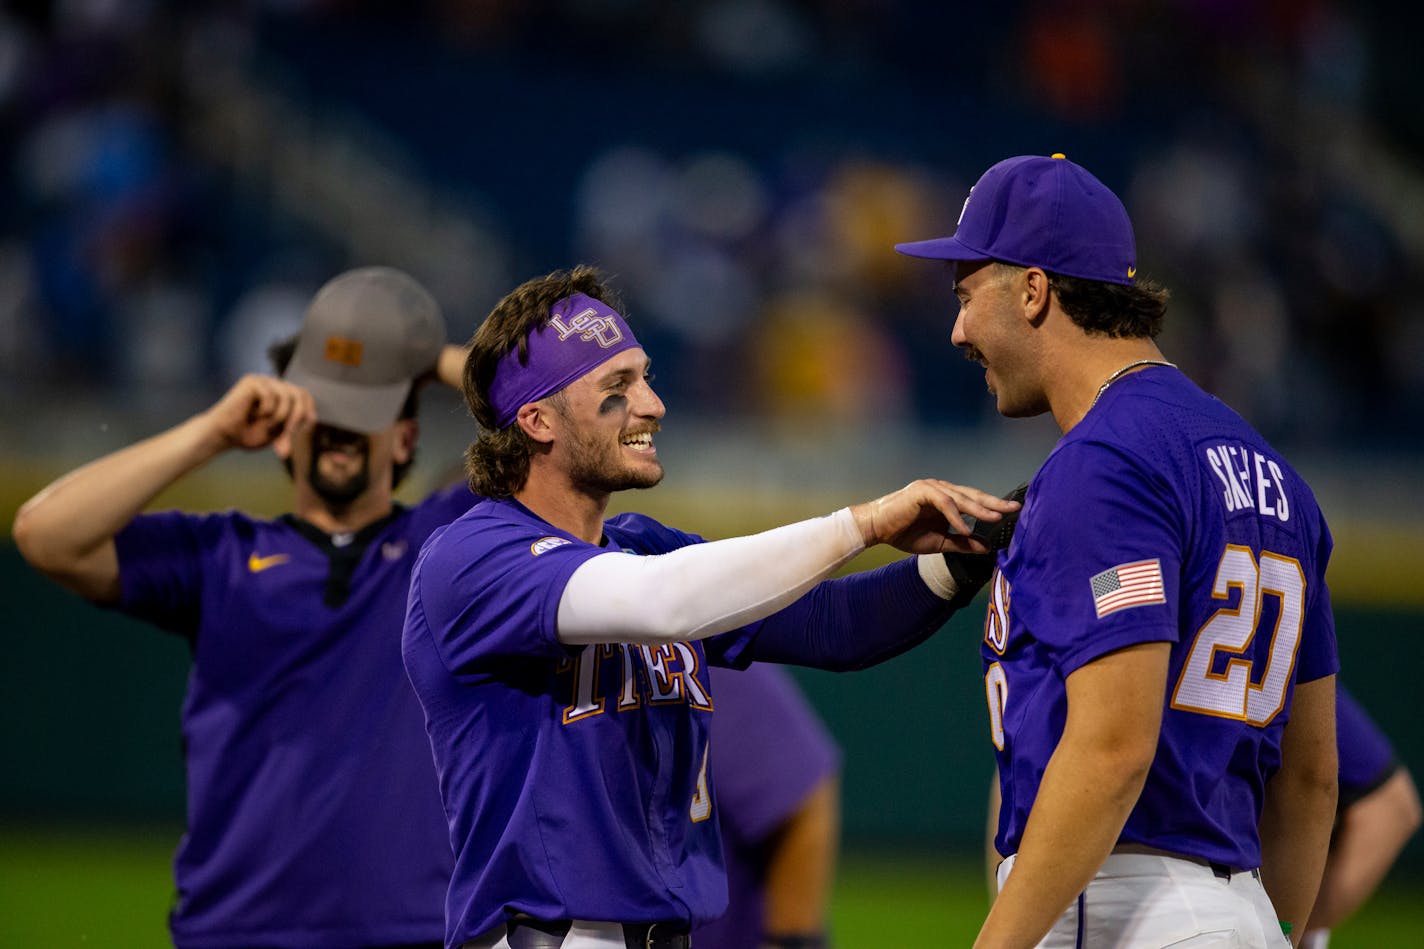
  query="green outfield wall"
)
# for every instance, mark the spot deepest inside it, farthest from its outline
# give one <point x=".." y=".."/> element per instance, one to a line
<point x="89" y="705"/>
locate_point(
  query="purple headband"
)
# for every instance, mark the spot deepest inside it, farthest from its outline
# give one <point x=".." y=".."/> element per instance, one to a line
<point x="581" y="334"/>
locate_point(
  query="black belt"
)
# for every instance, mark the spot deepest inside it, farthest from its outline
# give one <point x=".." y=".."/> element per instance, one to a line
<point x="538" y="934"/>
<point x="1223" y="872"/>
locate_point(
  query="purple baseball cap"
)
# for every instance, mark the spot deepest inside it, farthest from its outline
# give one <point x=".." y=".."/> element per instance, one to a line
<point x="1041" y="212"/>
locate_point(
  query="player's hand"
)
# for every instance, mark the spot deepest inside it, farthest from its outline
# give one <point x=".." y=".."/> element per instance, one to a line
<point x="928" y="517"/>
<point x="972" y="571"/>
<point x="450" y="366"/>
<point x="259" y="411"/>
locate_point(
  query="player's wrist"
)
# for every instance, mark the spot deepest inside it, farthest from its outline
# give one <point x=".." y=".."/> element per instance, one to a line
<point x="206" y="435"/>
<point x="934" y="571"/>
<point x="864" y="518"/>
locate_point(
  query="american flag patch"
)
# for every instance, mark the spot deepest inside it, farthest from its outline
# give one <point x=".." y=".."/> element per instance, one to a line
<point x="1126" y="585"/>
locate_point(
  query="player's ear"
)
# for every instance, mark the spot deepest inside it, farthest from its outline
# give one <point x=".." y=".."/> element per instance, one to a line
<point x="407" y="433"/>
<point x="537" y="420"/>
<point x="1034" y="294"/>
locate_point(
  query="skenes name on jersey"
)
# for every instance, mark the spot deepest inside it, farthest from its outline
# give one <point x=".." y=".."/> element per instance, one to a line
<point x="1250" y="480"/>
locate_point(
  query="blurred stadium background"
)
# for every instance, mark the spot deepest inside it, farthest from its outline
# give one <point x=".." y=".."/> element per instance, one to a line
<point x="178" y="178"/>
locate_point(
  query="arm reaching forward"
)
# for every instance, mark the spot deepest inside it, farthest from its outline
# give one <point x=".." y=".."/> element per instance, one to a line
<point x="628" y="598"/>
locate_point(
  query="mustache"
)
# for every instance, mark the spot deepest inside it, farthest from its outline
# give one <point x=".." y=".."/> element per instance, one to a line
<point x="972" y="354"/>
<point x="651" y="428"/>
<point x="330" y="437"/>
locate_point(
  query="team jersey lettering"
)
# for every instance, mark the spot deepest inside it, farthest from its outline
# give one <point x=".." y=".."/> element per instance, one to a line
<point x="585" y="668"/>
<point x="1232" y="692"/>
<point x="996" y="621"/>
<point x="669" y="669"/>
<point x="628" y="695"/>
<point x="996" y="691"/>
<point x="701" y="808"/>
<point x="666" y="686"/>
<point x="1250" y="481"/>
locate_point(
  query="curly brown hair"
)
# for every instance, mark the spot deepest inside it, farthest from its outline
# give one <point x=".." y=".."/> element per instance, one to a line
<point x="1114" y="310"/>
<point x="1107" y="309"/>
<point x="497" y="461"/>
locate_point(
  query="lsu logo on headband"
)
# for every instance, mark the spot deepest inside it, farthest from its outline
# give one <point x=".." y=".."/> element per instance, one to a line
<point x="580" y="334"/>
<point x="592" y="327"/>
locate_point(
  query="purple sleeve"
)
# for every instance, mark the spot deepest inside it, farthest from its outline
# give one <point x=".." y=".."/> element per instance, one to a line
<point x="489" y="591"/>
<point x="1366" y="757"/>
<point x="161" y="570"/>
<point x="1091" y="510"/>
<point x="769" y="750"/>
<point x="444" y="505"/>
<point x="848" y="623"/>
<point x="1319" y="651"/>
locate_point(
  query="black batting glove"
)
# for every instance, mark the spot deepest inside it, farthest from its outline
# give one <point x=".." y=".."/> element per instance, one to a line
<point x="972" y="571"/>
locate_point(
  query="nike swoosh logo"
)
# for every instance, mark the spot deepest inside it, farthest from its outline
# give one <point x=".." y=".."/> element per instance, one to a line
<point x="257" y="564"/>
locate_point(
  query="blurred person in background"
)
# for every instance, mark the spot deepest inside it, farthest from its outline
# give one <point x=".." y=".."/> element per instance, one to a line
<point x="778" y="793"/>
<point x="1167" y="774"/>
<point x="1378" y="812"/>
<point x="313" y="817"/>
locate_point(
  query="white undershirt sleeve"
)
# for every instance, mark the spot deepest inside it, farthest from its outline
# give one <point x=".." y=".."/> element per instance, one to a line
<point x="703" y="589"/>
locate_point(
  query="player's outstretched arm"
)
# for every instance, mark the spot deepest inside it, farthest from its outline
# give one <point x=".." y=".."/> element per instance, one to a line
<point x="1090" y="786"/>
<point x="66" y="531"/>
<point x="1299" y="806"/>
<point x="1371" y="833"/>
<point x="621" y="597"/>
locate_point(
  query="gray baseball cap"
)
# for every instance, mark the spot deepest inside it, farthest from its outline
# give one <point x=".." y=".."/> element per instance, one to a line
<point x="367" y="335"/>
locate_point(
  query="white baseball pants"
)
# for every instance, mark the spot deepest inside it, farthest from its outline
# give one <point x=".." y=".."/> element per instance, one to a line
<point x="1146" y="901"/>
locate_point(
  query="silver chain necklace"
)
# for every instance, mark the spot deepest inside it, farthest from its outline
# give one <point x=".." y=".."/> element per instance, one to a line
<point x="1128" y="368"/>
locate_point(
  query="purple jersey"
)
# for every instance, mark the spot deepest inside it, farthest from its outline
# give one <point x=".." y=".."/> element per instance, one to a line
<point x="314" y="816"/>
<point x="1366" y="757"/>
<point x="562" y="768"/>
<point x="769" y="751"/>
<point x="1163" y="517"/>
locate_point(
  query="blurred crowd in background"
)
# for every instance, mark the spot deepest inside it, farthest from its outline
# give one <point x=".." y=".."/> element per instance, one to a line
<point x="179" y="177"/>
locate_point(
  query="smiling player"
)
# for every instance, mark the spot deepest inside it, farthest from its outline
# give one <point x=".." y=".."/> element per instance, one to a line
<point x="562" y="659"/>
<point x="1159" y="652"/>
